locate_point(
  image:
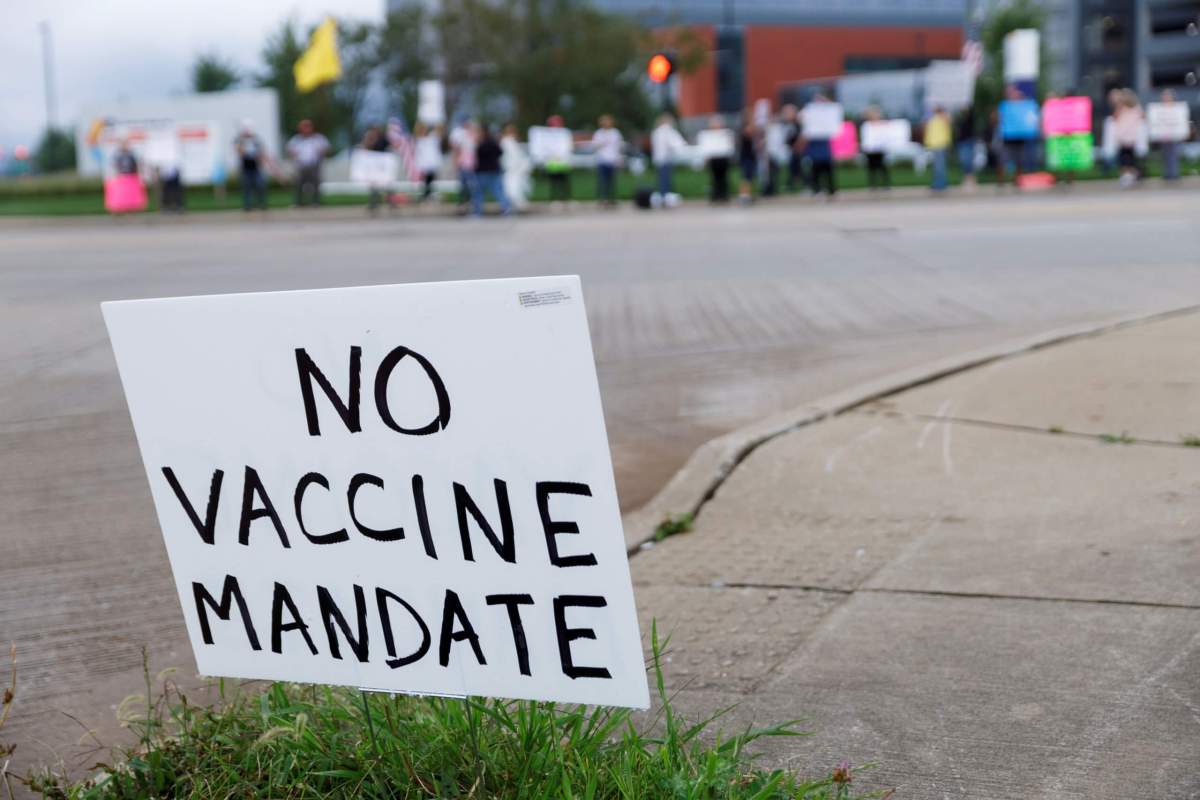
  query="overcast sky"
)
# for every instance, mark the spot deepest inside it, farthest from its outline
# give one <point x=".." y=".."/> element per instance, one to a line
<point x="105" y="49"/>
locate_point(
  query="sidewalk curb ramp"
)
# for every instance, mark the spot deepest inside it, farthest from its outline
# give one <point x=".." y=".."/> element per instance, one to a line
<point x="701" y="476"/>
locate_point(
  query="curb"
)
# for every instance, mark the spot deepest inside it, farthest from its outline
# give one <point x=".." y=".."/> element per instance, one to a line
<point x="695" y="483"/>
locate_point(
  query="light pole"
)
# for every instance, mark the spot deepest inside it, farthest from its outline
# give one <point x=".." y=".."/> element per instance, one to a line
<point x="48" y="75"/>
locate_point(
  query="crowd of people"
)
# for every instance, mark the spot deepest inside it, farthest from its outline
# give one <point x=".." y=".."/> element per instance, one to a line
<point x="764" y="154"/>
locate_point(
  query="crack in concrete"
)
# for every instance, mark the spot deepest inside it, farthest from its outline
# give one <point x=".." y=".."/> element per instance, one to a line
<point x="1017" y="427"/>
<point x="801" y="587"/>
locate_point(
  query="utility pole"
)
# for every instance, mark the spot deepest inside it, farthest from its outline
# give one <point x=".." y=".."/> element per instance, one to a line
<point x="48" y="75"/>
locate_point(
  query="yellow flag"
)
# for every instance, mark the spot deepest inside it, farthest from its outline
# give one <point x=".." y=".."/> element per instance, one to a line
<point x="320" y="62"/>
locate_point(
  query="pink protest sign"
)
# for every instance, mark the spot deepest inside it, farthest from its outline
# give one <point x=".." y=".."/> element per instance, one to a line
<point x="845" y="144"/>
<point x="124" y="193"/>
<point x="1067" y="115"/>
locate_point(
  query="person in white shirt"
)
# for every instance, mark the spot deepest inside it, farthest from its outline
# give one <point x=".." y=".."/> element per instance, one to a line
<point x="427" y="153"/>
<point x="606" y="142"/>
<point x="517" y="168"/>
<point x="308" y="148"/>
<point x="463" y="141"/>
<point x="666" y="143"/>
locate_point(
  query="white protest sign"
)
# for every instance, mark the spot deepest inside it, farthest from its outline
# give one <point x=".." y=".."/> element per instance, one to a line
<point x="373" y="167"/>
<point x="550" y="145"/>
<point x="431" y="102"/>
<point x="1022" y="59"/>
<point x="885" y="135"/>
<point x="1168" y="122"/>
<point x="821" y="120"/>
<point x="401" y="488"/>
<point x="715" y="143"/>
<point x="949" y="84"/>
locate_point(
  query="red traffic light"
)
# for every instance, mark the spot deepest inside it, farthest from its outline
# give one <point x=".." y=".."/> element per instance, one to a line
<point x="660" y="67"/>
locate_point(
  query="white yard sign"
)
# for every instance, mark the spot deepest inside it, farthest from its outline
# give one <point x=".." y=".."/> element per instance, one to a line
<point x="550" y="145"/>
<point x="716" y="143"/>
<point x="1168" y="122"/>
<point x="373" y="168"/>
<point x="821" y="120"/>
<point x="886" y="135"/>
<point x="400" y="488"/>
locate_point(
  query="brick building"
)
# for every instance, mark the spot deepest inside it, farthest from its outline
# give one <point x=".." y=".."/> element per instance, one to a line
<point x="760" y="46"/>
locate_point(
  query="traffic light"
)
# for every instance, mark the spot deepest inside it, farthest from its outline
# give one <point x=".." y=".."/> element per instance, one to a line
<point x="660" y="67"/>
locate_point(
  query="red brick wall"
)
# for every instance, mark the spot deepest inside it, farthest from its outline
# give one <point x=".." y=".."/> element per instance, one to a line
<point x="778" y="55"/>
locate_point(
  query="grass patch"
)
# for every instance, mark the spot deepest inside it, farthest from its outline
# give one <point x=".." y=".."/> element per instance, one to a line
<point x="1117" y="438"/>
<point x="673" y="525"/>
<point x="1055" y="429"/>
<point x="293" y="741"/>
<point x="1190" y="440"/>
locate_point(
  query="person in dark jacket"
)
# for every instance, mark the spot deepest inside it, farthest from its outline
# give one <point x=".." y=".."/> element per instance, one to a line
<point x="488" y="174"/>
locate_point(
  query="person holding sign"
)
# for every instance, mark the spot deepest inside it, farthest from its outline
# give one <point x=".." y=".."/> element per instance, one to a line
<point x="558" y="165"/>
<point x="716" y="144"/>
<point x="308" y="149"/>
<point x="1129" y="133"/>
<point x="822" y="121"/>
<point x="428" y="155"/>
<point x="938" y="138"/>
<point x="373" y="141"/>
<point x="666" y="143"/>
<point x="252" y="155"/>
<point x="606" y="143"/>
<point x="874" y="149"/>
<point x="1169" y="125"/>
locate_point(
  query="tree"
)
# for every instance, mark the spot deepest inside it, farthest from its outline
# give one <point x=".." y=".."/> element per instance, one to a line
<point x="55" y="152"/>
<point x="989" y="86"/>
<point x="546" y="57"/>
<point x="211" y="73"/>
<point x="407" y="55"/>
<point x="323" y="106"/>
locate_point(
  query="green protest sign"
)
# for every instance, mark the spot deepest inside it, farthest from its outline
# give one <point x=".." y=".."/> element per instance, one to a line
<point x="1069" y="153"/>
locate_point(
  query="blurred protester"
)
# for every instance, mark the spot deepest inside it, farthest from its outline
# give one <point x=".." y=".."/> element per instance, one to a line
<point x="965" y="141"/>
<point x="374" y="141"/>
<point x="938" y="138"/>
<point x="1129" y="134"/>
<point x="997" y="155"/>
<point x="607" y="142"/>
<point x="124" y="161"/>
<point x="252" y="158"/>
<point x="308" y="149"/>
<point x="750" y="146"/>
<point x="718" y="163"/>
<point x="1108" y="137"/>
<point x="558" y="170"/>
<point x="517" y="168"/>
<point x="819" y="152"/>
<point x="790" y="116"/>
<point x="463" y="140"/>
<point x="427" y="153"/>
<point x="877" y="168"/>
<point x="1170" y="150"/>
<point x="488" y="180"/>
<point x="1016" y="150"/>
<point x="170" y="187"/>
<point x="123" y="191"/>
<point x="775" y="154"/>
<point x="666" y="144"/>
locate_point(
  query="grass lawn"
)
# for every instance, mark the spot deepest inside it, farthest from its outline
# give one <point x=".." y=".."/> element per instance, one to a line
<point x="293" y="741"/>
<point x="57" y="197"/>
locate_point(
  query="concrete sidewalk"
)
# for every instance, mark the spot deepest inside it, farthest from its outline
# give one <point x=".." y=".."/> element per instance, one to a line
<point x="965" y="582"/>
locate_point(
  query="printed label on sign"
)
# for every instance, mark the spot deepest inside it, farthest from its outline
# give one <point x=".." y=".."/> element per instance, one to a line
<point x="386" y="487"/>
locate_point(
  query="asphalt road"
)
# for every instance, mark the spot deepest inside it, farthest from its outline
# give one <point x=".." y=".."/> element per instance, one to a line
<point x="703" y="320"/>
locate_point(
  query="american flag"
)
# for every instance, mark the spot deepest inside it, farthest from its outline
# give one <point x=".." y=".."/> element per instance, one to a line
<point x="972" y="54"/>
<point x="401" y="142"/>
